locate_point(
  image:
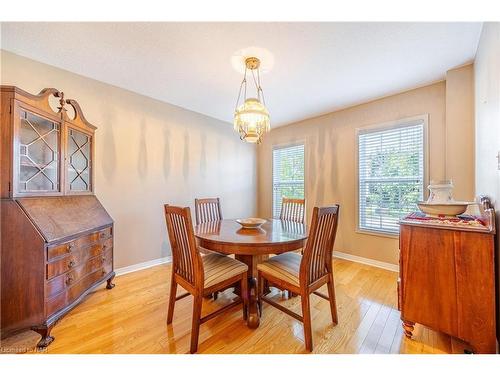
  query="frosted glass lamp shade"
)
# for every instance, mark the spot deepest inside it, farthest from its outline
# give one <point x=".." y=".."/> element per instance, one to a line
<point x="251" y="120"/>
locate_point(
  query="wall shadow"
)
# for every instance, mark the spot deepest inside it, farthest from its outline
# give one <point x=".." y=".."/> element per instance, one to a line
<point x="185" y="162"/>
<point x="142" y="157"/>
<point x="203" y="155"/>
<point x="166" y="153"/>
<point x="108" y="159"/>
<point x="321" y="166"/>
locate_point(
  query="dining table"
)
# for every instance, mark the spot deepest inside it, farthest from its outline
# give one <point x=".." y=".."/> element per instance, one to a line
<point x="251" y="246"/>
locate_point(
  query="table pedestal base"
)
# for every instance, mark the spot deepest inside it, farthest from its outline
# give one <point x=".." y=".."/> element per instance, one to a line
<point x="251" y="261"/>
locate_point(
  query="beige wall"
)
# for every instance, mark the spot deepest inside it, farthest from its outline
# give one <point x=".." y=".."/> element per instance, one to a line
<point x="487" y="94"/>
<point x="330" y="144"/>
<point x="148" y="153"/>
<point x="460" y="131"/>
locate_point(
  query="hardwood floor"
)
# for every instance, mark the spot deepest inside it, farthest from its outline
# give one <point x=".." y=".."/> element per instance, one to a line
<point x="131" y="318"/>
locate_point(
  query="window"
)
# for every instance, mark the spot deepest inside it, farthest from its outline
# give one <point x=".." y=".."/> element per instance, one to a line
<point x="288" y="174"/>
<point x="391" y="162"/>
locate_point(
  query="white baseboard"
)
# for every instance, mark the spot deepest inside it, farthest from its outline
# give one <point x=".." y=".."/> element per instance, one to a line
<point x="337" y="254"/>
<point x="370" y="262"/>
<point x="142" y="266"/>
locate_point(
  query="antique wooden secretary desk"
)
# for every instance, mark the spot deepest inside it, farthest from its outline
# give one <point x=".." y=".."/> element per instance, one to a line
<point x="56" y="237"/>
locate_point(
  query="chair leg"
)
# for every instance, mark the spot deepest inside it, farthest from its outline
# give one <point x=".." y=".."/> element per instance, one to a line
<point x="216" y="294"/>
<point x="306" y="315"/>
<point x="260" y="291"/>
<point x="195" y="327"/>
<point x="171" y="300"/>
<point x="332" y="299"/>
<point x="244" y="295"/>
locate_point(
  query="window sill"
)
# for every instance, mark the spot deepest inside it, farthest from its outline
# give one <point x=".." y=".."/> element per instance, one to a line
<point x="377" y="233"/>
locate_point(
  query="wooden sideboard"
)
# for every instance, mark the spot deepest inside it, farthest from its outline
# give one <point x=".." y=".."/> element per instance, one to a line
<point x="56" y="237"/>
<point x="447" y="280"/>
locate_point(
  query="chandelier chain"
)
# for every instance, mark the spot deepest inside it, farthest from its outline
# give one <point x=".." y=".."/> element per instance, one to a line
<point x="259" y="88"/>
<point x="243" y="83"/>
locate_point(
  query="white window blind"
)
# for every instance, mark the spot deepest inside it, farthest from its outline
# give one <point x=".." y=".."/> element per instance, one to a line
<point x="288" y="174"/>
<point x="391" y="174"/>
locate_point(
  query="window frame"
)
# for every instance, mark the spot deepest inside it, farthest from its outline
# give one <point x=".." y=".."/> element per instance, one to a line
<point x="300" y="142"/>
<point x="400" y="123"/>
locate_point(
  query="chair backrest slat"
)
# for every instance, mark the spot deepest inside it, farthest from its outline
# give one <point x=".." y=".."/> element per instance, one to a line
<point x="207" y="209"/>
<point x="317" y="258"/>
<point x="186" y="258"/>
<point x="293" y="209"/>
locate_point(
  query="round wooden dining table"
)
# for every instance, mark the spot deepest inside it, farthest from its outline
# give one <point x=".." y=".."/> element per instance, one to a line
<point x="251" y="246"/>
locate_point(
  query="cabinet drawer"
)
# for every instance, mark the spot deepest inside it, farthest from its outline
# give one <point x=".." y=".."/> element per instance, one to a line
<point x="70" y="246"/>
<point x="76" y="258"/>
<point x="66" y="280"/>
<point x="67" y="296"/>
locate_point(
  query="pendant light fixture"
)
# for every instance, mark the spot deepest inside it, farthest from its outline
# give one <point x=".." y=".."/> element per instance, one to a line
<point x="251" y="118"/>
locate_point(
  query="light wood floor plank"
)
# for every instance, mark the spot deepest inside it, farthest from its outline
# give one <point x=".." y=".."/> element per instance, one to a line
<point x="131" y="318"/>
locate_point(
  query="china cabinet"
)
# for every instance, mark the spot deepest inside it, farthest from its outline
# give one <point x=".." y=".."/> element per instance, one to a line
<point x="56" y="237"/>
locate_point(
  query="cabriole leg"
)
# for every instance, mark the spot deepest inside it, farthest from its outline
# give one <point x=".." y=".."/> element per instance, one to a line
<point x="46" y="337"/>
<point x="408" y="328"/>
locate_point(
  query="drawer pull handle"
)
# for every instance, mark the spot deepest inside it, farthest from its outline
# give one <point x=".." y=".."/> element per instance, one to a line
<point x="103" y="259"/>
<point x="70" y="247"/>
<point x="71" y="264"/>
<point x="103" y="247"/>
<point x="69" y="280"/>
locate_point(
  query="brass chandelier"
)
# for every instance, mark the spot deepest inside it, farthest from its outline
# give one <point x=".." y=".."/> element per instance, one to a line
<point x="251" y="118"/>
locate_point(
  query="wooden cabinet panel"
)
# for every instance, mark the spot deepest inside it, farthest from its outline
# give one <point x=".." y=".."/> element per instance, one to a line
<point x="447" y="282"/>
<point x="428" y="268"/>
<point x="63" y="281"/>
<point x="76" y="258"/>
<point x="69" y="247"/>
<point x="476" y="286"/>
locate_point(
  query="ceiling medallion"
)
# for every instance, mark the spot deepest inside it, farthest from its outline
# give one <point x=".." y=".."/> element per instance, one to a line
<point x="251" y="118"/>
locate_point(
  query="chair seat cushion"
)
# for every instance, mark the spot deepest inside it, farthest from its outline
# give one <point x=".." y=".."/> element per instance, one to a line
<point x="220" y="267"/>
<point x="285" y="267"/>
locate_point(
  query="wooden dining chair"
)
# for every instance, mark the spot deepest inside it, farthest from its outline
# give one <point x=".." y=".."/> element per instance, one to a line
<point x="304" y="274"/>
<point x="293" y="209"/>
<point x="207" y="209"/>
<point x="198" y="275"/>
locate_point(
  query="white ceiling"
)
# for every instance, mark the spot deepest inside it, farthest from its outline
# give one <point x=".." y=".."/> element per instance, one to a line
<point x="317" y="67"/>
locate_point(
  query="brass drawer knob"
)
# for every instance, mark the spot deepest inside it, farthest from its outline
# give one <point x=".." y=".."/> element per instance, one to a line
<point x="70" y="247"/>
<point x="69" y="280"/>
<point x="71" y="264"/>
<point x="103" y="259"/>
<point x="103" y="247"/>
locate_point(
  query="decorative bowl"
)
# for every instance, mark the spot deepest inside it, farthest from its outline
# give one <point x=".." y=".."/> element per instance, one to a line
<point x="251" y="222"/>
<point x="453" y="208"/>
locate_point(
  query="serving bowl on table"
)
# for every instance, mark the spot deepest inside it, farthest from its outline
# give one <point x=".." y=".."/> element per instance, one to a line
<point x="251" y="222"/>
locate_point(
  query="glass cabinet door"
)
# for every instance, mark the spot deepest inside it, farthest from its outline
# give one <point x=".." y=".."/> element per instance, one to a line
<point x="39" y="157"/>
<point x="79" y="161"/>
